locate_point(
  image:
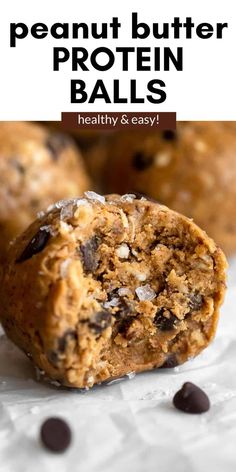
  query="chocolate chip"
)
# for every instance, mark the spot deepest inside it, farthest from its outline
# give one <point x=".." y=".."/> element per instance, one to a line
<point x="195" y="302"/>
<point x="55" y="434"/>
<point x="141" y="161"/>
<point x="100" y="321"/>
<point x="56" y="143"/>
<point x="169" y="135"/>
<point x="62" y="343"/>
<point x="162" y="322"/>
<point x="88" y="252"/>
<point x="191" y="399"/>
<point x="170" y="362"/>
<point x="64" y="340"/>
<point x="124" y="325"/>
<point x="124" y="310"/>
<point x="37" y="244"/>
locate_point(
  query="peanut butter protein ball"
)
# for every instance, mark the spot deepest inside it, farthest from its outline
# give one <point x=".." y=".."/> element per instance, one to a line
<point x="192" y="170"/>
<point x="100" y="287"/>
<point x="94" y="144"/>
<point x="37" y="168"/>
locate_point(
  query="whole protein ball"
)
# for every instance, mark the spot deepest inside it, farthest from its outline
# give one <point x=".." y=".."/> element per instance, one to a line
<point x="102" y="286"/>
<point x="192" y="170"/>
<point x="37" y="168"/>
<point x="94" y="144"/>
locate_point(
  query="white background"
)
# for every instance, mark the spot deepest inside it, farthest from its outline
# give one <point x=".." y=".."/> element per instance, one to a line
<point x="29" y="89"/>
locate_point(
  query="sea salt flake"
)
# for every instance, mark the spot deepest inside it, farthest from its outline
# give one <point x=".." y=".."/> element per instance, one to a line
<point x="123" y="251"/>
<point x="81" y="201"/>
<point x="128" y="197"/>
<point x="131" y="375"/>
<point x="145" y="292"/>
<point x="45" y="228"/>
<point x="40" y="215"/>
<point x="113" y="302"/>
<point x="61" y="204"/>
<point x="67" y="211"/>
<point x="95" y="196"/>
<point x="56" y="205"/>
<point x="48" y="229"/>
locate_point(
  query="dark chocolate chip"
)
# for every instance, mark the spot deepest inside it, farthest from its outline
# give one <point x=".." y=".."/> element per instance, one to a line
<point x="191" y="399"/>
<point x="169" y="135"/>
<point x="124" y="310"/>
<point x="55" y="434"/>
<point x="37" y="244"/>
<point x="113" y="293"/>
<point x="124" y="325"/>
<point x="88" y="252"/>
<point x="56" y="143"/>
<point x="141" y="161"/>
<point x="63" y="340"/>
<point x="100" y="321"/>
<point x="162" y="322"/>
<point x="170" y="362"/>
<point x="195" y="302"/>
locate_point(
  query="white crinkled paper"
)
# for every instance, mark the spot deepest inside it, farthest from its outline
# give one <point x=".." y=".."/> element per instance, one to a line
<point x="129" y="425"/>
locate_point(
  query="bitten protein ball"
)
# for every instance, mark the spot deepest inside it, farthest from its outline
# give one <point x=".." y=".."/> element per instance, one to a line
<point x="100" y="287"/>
<point x="192" y="170"/>
<point x="37" y="167"/>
